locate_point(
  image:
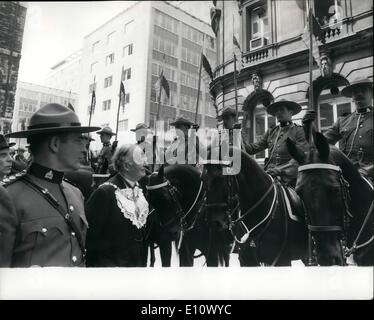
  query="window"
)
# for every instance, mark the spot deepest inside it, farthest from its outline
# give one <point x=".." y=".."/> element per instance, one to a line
<point x="166" y="22"/>
<point x="328" y="12"/>
<point x="211" y="42"/>
<point x="192" y="34"/>
<point x="106" y="105"/>
<point x="129" y="27"/>
<point x="110" y="37"/>
<point x="127" y="50"/>
<point x="127" y="98"/>
<point x="95" y="46"/>
<point x="94" y="67"/>
<point x="108" y="82"/>
<point x="109" y="59"/>
<point x="123" y="125"/>
<point x="126" y="74"/>
<point x="259" y="28"/>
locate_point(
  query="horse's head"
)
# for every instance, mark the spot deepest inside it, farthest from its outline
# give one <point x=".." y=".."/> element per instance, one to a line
<point x="160" y="197"/>
<point x="321" y="187"/>
<point x="220" y="197"/>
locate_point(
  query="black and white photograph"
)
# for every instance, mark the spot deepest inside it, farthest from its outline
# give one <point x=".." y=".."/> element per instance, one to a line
<point x="186" y="151"/>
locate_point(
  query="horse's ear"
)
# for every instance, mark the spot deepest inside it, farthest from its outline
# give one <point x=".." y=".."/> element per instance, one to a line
<point x="322" y="146"/>
<point x="295" y="151"/>
<point x="160" y="173"/>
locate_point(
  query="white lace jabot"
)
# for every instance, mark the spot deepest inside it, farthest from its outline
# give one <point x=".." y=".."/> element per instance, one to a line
<point x="132" y="204"/>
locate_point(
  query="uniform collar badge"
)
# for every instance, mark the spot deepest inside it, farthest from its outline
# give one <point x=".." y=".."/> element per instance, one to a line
<point x="49" y="175"/>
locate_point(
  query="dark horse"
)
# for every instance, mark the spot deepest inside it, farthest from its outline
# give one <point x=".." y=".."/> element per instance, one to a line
<point x="178" y="195"/>
<point x="339" y="203"/>
<point x="252" y="205"/>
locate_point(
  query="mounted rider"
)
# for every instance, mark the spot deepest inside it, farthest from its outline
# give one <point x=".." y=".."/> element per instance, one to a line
<point x="280" y="163"/>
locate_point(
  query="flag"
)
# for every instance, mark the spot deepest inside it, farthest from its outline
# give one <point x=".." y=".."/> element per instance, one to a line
<point x="122" y="95"/>
<point x="317" y="33"/>
<point x="93" y="101"/>
<point x="207" y="70"/>
<point x="237" y="54"/>
<point x="162" y="85"/>
<point x="215" y="16"/>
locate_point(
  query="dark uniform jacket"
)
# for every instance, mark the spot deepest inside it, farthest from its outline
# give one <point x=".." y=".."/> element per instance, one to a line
<point x="355" y="135"/>
<point x="104" y="159"/>
<point x="32" y="231"/>
<point x="82" y="179"/>
<point x="112" y="240"/>
<point x="275" y="139"/>
<point x="189" y="158"/>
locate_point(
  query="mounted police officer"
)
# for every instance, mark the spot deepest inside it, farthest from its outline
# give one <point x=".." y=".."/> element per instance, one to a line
<point x="280" y="163"/>
<point x="42" y="220"/>
<point x="5" y="158"/>
<point x="354" y="131"/>
<point x="180" y="150"/>
<point x="104" y="160"/>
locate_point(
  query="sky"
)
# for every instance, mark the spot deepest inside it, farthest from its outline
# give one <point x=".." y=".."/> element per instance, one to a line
<point x="54" y="30"/>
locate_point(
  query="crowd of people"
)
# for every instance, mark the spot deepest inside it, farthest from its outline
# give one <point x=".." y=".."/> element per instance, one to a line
<point x="60" y="208"/>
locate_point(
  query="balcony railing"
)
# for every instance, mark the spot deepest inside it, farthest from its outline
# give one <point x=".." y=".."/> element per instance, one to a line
<point x="257" y="54"/>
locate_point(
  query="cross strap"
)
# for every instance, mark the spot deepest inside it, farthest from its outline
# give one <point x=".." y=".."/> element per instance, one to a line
<point x="65" y="214"/>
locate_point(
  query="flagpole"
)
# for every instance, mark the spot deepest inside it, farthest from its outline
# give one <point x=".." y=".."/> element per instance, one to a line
<point x="119" y="105"/>
<point x="198" y="89"/>
<point x="92" y="99"/>
<point x="236" y="93"/>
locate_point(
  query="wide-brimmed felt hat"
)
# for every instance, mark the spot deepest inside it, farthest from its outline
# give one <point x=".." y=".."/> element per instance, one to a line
<point x="106" y="130"/>
<point x="52" y="118"/>
<point x="182" y="121"/>
<point x="361" y="82"/>
<point x="140" y="126"/>
<point x="4" y="144"/>
<point x="272" y="108"/>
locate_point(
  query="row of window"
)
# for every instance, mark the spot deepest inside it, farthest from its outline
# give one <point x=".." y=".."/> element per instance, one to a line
<point x="107" y="104"/>
<point x="109" y="59"/>
<point x="108" y="81"/>
<point x="169" y="73"/>
<point x="189" y="80"/>
<point x="128" y="29"/>
<point x="192" y="34"/>
<point x="165" y="46"/>
<point x="190" y="56"/>
<point x="166" y="22"/>
<point x="28" y="107"/>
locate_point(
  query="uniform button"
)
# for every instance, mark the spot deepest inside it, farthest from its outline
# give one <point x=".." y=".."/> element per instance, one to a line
<point x="74" y="259"/>
<point x="44" y="230"/>
<point x="360" y="137"/>
<point x="71" y="208"/>
<point x="73" y="234"/>
<point x="361" y="126"/>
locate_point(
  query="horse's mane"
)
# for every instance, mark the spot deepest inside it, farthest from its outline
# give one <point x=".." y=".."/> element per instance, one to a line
<point x="350" y="172"/>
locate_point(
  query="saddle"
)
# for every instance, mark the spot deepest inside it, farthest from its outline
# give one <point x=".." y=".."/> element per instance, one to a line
<point x="294" y="204"/>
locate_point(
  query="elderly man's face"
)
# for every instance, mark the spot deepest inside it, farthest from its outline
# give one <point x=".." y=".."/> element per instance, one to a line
<point x="5" y="162"/>
<point x="362" y="97"/>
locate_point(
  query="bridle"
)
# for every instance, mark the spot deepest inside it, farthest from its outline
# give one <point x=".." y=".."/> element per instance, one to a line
<point x="345" y="195"/>
<point x="344" y="186"/>
<point x="181" y="217"/>
<point x="232" y="206"/>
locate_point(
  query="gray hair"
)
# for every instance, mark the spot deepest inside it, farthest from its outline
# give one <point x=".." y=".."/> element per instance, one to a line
<point x="121" y="154"/>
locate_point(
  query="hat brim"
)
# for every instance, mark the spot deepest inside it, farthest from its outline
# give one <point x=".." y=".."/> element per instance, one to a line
<point x="109" y="134"/>
<point x="9" y="145"/>
<point x="295" y="107"/>
<point x="347" y="91"/>
<point x="27" y="133"/>
<point x="184" y="123"/>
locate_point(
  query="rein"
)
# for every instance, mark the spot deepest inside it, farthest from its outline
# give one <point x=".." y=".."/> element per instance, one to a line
<point x="344" y="185"/>
<point x="180" y="213"/>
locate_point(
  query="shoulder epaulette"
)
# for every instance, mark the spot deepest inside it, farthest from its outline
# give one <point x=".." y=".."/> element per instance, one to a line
<point x="11" y="179"/>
